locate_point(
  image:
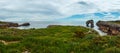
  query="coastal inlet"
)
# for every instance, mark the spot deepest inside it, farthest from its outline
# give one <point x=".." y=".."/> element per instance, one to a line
<point x="109" y="27"/>
<point x="102" y="27"/>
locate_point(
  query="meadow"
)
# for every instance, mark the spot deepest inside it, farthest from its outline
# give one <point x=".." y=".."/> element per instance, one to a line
<point x="57" y="39"/>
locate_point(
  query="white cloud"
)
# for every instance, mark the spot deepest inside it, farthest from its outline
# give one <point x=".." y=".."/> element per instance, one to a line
<point x="53" y="9"/>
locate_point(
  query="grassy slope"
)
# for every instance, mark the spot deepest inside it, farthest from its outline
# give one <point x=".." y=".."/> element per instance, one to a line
<point x="58" y="39"/>
<point x="115" y="22"/>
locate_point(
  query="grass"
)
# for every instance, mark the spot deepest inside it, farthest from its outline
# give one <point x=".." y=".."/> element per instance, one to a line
<point x="58" y="39"/>
<point x="115" y="22"/>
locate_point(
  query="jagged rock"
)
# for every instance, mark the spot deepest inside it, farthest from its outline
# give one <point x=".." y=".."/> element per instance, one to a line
<point x="109" y="27"/>
<point x="25" y="24"/>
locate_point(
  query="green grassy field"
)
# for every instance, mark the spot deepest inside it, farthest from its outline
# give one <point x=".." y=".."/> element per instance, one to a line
<point x="57" y="39"/>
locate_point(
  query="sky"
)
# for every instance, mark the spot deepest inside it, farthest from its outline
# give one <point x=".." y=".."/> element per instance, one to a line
<point x="46" y="10"/>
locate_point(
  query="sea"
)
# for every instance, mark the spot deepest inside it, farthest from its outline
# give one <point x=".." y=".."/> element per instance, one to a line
<point x="44" y="24"/>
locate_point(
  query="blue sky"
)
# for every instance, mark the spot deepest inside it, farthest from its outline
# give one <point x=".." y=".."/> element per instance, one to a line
<point x="44" y="10"/>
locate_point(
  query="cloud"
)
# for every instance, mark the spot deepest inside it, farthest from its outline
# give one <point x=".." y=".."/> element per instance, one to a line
<point x="39" y="10"/>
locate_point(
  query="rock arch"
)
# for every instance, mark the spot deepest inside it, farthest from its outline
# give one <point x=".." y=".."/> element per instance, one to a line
<point x="90" y="23"/>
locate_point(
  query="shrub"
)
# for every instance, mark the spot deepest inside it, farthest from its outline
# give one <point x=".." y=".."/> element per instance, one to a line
<point x="79" y="34"/>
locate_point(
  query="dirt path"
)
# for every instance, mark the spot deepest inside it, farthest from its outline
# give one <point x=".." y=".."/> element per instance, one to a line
<point x="10" y="42"/>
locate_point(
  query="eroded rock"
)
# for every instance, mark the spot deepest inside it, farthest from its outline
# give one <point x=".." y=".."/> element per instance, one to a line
<point x="25" y="24"/>
<point x="90" y="23"/>
<point x="109" y="27"/>
<point x="11" y="24"/>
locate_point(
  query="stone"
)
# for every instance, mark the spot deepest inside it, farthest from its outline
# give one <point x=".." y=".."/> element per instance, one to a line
<point x="90" y="23"/>
<point x="8" y="24"/>
<point x="25" y="24"/>
<point x="109" y="27"/>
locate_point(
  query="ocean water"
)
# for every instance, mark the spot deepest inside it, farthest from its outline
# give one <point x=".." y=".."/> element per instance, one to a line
<point x="44" y="24"/>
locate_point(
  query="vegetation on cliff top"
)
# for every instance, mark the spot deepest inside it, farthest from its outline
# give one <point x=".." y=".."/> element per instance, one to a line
<point x="115" y="22"/>
<point x="57" y="39"/>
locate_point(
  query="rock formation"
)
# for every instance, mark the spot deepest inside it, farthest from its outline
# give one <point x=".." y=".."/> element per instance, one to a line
<point x="11" y="24"/>
<point x="109" y="27"/>
<point x="90" y="23"/>
<point x="25" y="24"/>
<point x="8" y="24"/>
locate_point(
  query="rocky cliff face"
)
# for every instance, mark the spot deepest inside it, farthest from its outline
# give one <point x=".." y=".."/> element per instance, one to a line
<point x="111" y="28"/>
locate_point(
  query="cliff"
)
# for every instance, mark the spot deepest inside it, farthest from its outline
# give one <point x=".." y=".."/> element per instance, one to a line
<point x="109" y="27"/>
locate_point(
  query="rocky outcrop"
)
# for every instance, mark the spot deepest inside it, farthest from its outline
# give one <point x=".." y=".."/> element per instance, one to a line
<point x="109" y="27"/>
<point x="8" y="24"/>
<point x="90" y="23"/>
<point x="11" y="24"/>
<point x="25" y="24"/>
